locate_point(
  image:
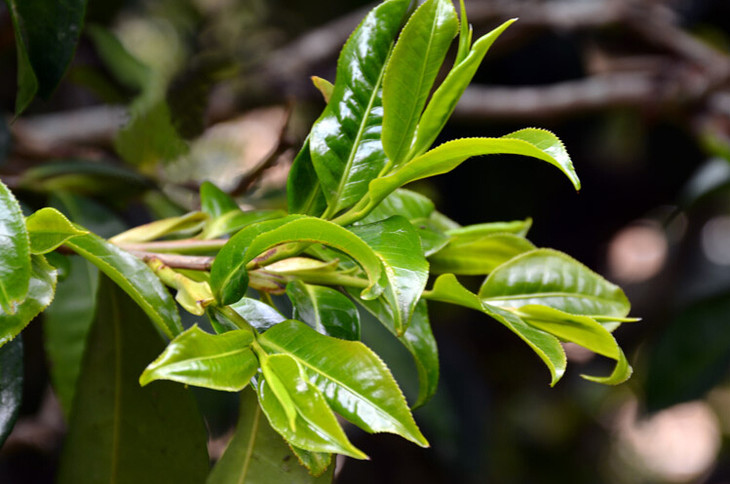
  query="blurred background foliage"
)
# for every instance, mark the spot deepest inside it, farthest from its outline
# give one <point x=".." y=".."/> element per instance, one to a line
<point x="164" y="94"/>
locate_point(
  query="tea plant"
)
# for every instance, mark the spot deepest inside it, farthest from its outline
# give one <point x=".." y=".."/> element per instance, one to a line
<point x="353" y="239"/>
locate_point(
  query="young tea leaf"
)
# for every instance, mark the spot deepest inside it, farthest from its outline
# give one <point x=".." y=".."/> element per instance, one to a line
<point x="185" y="224"/>
<point x="15" y="267"/>
<point x="48" y="229"/>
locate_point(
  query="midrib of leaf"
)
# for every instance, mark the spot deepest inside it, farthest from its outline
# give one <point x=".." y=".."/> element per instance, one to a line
<point x="213" y="357"/>
<point x="116" y="422"/>
<point x="356" y="144"/>
<point x="251" y="443"/>
<point x="545" y="295"/>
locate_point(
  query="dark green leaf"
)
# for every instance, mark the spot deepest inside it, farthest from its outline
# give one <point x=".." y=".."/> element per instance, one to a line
<point x="314" y="427"/>
<point x="11" y="386"/>
<point x="477" y="255"/>
<point x="398" y="246"/>
<point x="15" y="267"/>
<point x="303" y="192"/>
<point x="411" y="72"/>
<point x="447" y="95"/>
<point x="132" y="275"/>
<point x="40" y="294"/>
<point x="214" y="201"/>
<point x="221" y="362"/>
<point x="257" y="454"/>
<point x="328" y="311"/>
<point x="355" y="382"/>
<point x="550" y="278"/>
<point x="119" y="431"/>
<point x="48" y="229"/>
<point x="345" y="141"/>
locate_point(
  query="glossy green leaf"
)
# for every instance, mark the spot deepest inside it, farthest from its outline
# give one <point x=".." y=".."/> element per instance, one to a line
<point x="66" y="324"/>
<point x="536" y="143"/>
<point x="257" y="454"/>
<point x="185" y="224"/>
<point x="581" y="330"/>
<point x="432" y="237"/>
<point x="132" y="275"/>
<point x="444" y="99"/>
<point x="551" y="278"/>
<point x="228" y="274"/>
<point x="258" y="314"/>
<point x="303" y="191"/>
<point x="418" y="340"/>
<point x="448" y="289"/>
<point x="214" y="201"/>
<point x="326" y="310"/>
<point x="46" y="33"/>
<point x="316" y="462"/>
<point x="411" y="72"/>
<point x="516" y="227"/>
<point x="48" y="228"/>
<point x="465" y="35"/>
<point x="119" y="431"/>
<point x="316" y="427"/>
<point x="15" y="266"/>
<point x="345" y="143"/>
<point x="11" y="386"/>
<point x="221" y="362"/>
<point x="355" y="382"/>
<point x="406" y="203"/>
<point x="477" y="255"/>
<point x="41" y="289"/>
<point x="398" y="246"/>
<point x="236" y="220"/>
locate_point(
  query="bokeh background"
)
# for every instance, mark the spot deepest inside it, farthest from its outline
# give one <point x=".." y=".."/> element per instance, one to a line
<point x="168" y="93"/>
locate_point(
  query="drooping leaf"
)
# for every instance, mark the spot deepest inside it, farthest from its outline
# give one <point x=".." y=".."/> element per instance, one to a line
<point x="326" y="310"/>
<point x="536" y="143"/>
<point x="418" y="340"/>
<point x="477" y="255"/>
<point x="316" y="427"/>
<point x="132" y="275"/>
<point x="411" y="72"/>
<point x="11" y="386"/>
<point x="119" y="431"/>
<point x="220" y="362"/>
<point x="46" y="33"/>
<point x="353" y="380"/>
<point x="185" y="224"/>
<point x="445" y="98"/>
<point x="258" y="314"/>
<point x="448" y="289"/>
<point x="550" y="278"/>
<point x="15" y="266"/>
<point x="48" y="228"/>
<point x="258" y="454"/>
<point x="398" y="246"/>
<point x="41" y="289"/>
<point x="345" y="143"/>
<point x="303" y="191"/>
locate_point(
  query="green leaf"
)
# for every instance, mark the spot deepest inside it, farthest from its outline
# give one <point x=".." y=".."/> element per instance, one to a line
<point x="581" y="330"/>
<point x="316" y="427"/>
<point x="230" y="264"/>
<point x="323" y="86"/>
<point x="448" y="289"/>
<point x="228" y="274"/>
<point x="345" y="141"/>
<point x="324" y="309"/>
<point x="48" y="228"/>
<point x="132" y="275"/>
<point x="234" y="221"/>
<point x="316" y="462"/>
<point x="258" y="454"/>
<point x="11" y="386"/>
<point x="355" y="382"/>
<point x="411" y="72"/>
<point x="150" y="137"/>
<point x="46" y="33"/>
<point x="258" y="314"/>
<point x="465" y="35"/>
<point x="432" y="237"/>
<point x="215" y="202"/>
<point x="536" y="143"/>
<point x="66" y="324"/>
<point x="125" y="68"/>
<point x="406" y="203"/>
<point x="398" y="246"/>
<point x="221" y="362"/>
<point x="119" y="431"/>
<point x="477" y="255"/>
<point x="516" y="227"/>
<point x="303" y="191"/>
<point x="185" y="224"/>
<point x="551" y="278"/>
<point x="418" y="340"/>
<point x="40" y="294"/>
<point x="15" y="266"/>
<point x="444" y="99"/>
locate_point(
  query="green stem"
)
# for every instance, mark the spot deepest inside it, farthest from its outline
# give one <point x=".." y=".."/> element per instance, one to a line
<point x="358" y="211"/>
